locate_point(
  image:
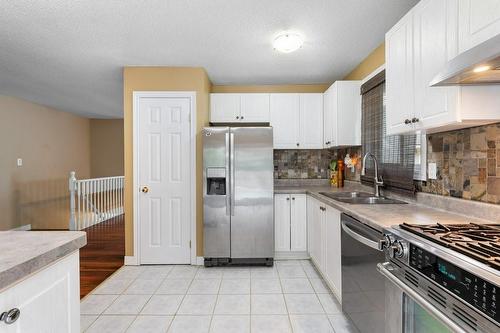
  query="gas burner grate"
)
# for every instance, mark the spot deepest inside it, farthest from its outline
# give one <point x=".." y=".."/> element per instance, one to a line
<point x="478" y="241"/>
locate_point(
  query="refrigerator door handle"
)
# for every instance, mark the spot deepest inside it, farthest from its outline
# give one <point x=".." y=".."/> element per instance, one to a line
<point x="231" y="156"/>
<point x="228" y="181"/>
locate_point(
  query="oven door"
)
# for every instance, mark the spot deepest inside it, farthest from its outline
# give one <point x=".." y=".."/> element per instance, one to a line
<point x="409" y="312"/>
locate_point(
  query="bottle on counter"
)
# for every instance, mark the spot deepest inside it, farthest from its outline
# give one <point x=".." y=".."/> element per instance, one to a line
<point x="340" y="173"/>
<point x="333" y="173"/>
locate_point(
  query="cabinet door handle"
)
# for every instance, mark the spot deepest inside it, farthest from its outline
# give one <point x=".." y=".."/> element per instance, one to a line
<point x="407" y="121"/>
<point x="10" y="317"/>
<point x="287" y="199"/>
<point x="293" y="198"/>
<point x="242" y="117"/>
<point x="237" y="117"/>
<point x="297" y="144"/>
<point x="414" y="120"/>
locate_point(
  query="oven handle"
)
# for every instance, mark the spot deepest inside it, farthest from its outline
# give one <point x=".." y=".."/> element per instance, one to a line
<point x="359" y="238"/>
<point x="385" y="270"/>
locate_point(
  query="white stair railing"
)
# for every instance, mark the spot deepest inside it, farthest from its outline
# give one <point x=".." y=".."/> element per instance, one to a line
<point x="94" y="200"/>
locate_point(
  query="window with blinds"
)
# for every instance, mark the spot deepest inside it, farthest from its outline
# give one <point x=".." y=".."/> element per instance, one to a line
<point x="395" y="153"/>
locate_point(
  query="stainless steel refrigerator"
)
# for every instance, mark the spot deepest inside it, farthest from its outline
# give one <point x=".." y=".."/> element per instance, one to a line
<point x="238" y="210"/>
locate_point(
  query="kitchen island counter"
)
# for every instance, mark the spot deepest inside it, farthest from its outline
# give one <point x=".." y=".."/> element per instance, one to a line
<point x="23" y="253"/>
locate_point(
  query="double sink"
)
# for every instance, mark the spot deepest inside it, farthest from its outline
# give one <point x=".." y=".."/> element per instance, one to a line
<point x="360" y="198"/>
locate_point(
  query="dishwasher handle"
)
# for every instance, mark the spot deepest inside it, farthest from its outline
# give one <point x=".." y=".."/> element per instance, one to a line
<point x="362" y="234"/>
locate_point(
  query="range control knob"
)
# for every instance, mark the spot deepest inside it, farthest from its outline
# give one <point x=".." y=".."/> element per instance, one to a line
<point x="398" y="250"/>
<point x="384" y="243"/>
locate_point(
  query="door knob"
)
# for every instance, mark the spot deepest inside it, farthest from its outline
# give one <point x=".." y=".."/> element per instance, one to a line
<point x="145" y="189"/>
<point x="9" y="317"/>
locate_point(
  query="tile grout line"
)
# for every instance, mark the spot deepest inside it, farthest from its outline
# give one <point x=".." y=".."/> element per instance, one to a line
<point x="117" y="296"/>
<point x="215" y="305"/>
<point x="326" y="314"/>
<point x="284" y="300"/>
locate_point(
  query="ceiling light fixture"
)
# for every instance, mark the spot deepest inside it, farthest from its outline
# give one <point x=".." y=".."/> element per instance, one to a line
<point x="480" y="69"/>
<point x="287" y="42"/>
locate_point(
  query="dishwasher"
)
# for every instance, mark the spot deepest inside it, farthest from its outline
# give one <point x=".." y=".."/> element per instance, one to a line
<point x="363" y="287"/>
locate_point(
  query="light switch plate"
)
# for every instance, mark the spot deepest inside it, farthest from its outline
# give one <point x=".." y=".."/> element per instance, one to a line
<point x="19" y="162"/>
<point x="432" y="171"/>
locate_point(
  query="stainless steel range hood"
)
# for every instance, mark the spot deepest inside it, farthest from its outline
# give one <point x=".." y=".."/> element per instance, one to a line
<point x="477" y="66"/>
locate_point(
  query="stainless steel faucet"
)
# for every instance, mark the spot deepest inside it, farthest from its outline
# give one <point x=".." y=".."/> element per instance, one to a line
<point x="377" y="182"/>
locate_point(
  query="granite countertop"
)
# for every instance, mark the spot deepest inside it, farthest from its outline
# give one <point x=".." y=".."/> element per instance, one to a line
<point x="25" y="252"/>
<point x="383" y="215"/>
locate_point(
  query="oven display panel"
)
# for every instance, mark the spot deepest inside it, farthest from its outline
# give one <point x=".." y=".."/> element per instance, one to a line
<point x="473" y="290"/>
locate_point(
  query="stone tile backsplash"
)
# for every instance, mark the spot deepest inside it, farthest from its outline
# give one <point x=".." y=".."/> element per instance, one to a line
<point x="301" y="163"/>
<point x="468" y="163"/>
<point x="312" y="163"/>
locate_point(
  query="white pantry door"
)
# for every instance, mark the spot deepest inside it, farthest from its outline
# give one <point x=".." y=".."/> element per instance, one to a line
<point x="164" y="203"/>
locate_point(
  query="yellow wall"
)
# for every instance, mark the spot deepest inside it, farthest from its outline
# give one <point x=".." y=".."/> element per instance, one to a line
<point x="106" y="147"/>
<point x="285" y="88"/>
<point x="164" y="79"/>
<point x="373" y="61"/>
<point x="51" y="143"/>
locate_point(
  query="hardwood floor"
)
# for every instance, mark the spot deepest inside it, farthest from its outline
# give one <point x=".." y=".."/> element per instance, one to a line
<point x="103" y="254"/>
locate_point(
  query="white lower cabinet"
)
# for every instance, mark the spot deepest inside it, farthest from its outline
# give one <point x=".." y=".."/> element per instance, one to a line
<point x="324" y="230"/>
<point x="290" y="225"/>
<point x="282" y="222"/>
<point x="298" y="223"/>
<point x="49" y="300"/>
<point x="333" y="269"/>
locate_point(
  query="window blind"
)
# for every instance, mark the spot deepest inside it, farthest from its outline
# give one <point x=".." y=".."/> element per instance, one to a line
<point x="395" y="153"/>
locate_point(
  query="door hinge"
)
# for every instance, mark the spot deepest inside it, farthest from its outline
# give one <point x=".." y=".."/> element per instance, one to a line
<point x="189" y="244"/>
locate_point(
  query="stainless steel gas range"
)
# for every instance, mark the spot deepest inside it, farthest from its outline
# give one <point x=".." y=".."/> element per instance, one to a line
<point x="443" y="278"/>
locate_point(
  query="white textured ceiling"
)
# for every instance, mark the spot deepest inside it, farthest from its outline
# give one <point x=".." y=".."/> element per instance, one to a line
<point x="69" y="54"/>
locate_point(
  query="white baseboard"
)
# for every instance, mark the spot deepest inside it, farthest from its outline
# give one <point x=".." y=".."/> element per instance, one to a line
<point x="131" y="261"/>
<point x="26" y="227"/>
<point x="200" y="261"/>
<point x="289" y="255"/>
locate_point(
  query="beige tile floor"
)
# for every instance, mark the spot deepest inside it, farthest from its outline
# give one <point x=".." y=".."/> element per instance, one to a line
<point x="289" y="297"/>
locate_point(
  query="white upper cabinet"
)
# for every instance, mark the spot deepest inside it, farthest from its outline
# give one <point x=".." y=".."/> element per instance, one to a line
<point x="342" y="114"/>
<point x="435" y="43"/>
<point x="311" y="121"/>
<point x="399" y="76"/>
<point x="479" y="20"/>
<point x="239" y="108"/>
<point x="285" y="120"/>
<point x="417" y="49"/>
<point x="255" y="108"/>
<point x="297" y="120"/>
<point x="225" y="108"/>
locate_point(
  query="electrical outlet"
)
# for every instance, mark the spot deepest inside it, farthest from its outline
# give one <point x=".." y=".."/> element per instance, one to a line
<point x="19" y="162"/>
<point x="432" y="171"/>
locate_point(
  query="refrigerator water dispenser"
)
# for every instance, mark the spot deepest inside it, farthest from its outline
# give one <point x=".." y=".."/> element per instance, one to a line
<point x="216" y="181"/>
